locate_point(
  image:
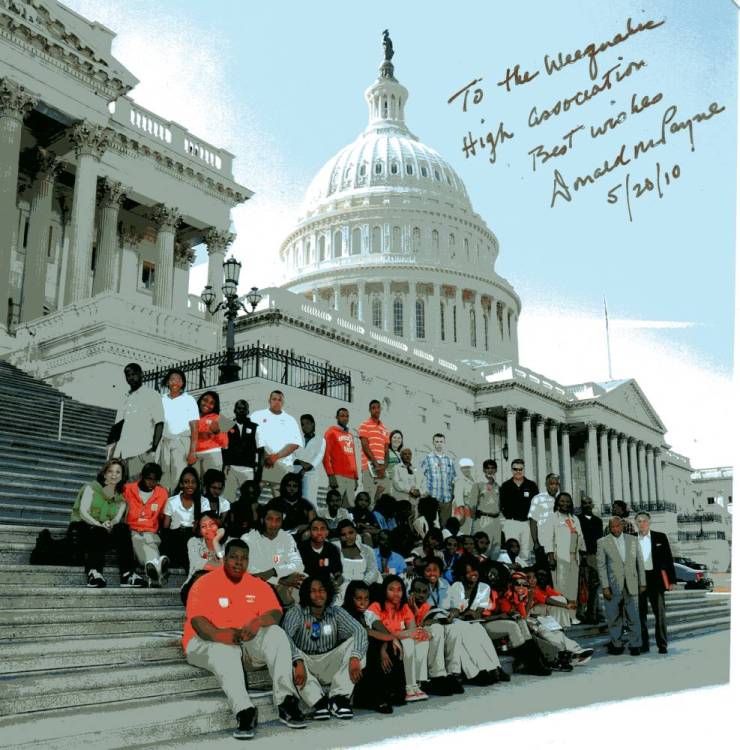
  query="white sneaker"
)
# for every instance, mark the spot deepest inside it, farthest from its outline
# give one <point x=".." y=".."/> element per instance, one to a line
<point x="163" y="566"/>
<point x="95" y="580"/>
<point x="152" y="573"/>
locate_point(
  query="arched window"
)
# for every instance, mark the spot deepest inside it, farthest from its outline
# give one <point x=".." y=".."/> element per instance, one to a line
<point x="307" y="253"/>
<point x="416" y="240"/>
<point x="442" y="321"/>
<point x="353" y="309"/>
<point x="435" y="239"/>
<point x="377" y="312"/>
<point x="378" y="167"/>
<point x="420" y="320"/>
<point x="396" y="246"/>
<point x="356" y="241"/>
<point x="409" y="169"/>
<point x="500" y="316"/>
<point x="337" y="244"/>
<point x="473" y="335"/>
<point x="322" y="247"/>
<point x="363" y="170"/>
<point x="394" y="168"/>
<point x="398" y="317"/>
<point x="436" y="175"/>
<point x="375" y="247"/>
<point x="424" y="171"/>
<point x="451" y="245"/>
<point x="454" y="323"/>
<point x="466" y="245"/>
<point x="485" y="332"/>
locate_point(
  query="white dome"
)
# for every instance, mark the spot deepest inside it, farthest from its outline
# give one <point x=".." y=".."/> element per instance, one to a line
<point x="384" y="159"/>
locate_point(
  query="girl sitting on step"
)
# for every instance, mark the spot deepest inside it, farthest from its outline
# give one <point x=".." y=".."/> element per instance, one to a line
<point x="205" y="550"/>
<point x="178" y="522"/>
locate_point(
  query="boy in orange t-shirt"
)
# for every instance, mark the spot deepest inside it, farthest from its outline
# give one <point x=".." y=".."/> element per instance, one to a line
<point x="146" y="500"/>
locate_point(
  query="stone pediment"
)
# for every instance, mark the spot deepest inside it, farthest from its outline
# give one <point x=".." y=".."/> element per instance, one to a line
<point x="68" y="39"/>
<point x="626" y="397"/>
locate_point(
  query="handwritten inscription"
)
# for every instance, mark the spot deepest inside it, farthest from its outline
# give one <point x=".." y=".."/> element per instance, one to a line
<point x="608" y="81"/>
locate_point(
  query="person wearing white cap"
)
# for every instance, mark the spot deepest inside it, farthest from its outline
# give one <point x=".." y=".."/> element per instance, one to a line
<point x="463" y="498"/>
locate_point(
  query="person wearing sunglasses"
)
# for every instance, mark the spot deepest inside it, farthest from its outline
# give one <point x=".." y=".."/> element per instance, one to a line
<point x="516" y="496"/>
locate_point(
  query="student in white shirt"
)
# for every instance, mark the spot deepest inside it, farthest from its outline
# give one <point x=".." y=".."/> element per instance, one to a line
<point x="308" y="459"/>
<point x="180" y="435"/>
<point x="179" y="516"/>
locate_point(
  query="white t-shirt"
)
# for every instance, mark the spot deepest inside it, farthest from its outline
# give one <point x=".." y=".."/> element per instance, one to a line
<point x="178" y="414"/>
<point x="180" y="515"/>
<point x="223" y="505"/>
<point x="275" y="431"/>
<point x="458" y="600"/>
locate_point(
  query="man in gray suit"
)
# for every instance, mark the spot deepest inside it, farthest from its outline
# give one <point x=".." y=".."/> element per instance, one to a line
<point x="622" y="577"/>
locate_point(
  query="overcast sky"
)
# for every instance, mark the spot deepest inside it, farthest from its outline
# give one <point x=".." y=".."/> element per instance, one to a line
<point x="281" y="86"/>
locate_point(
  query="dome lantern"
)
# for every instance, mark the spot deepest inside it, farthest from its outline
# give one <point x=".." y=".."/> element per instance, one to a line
<point x="386" y="98"/>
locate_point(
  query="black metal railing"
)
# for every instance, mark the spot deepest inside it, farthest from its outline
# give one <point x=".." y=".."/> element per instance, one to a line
<point x="693" y="536"/>
<point x="261" y="361"/>
<point x="699" y="518"/>
<point x="649" y="507"/>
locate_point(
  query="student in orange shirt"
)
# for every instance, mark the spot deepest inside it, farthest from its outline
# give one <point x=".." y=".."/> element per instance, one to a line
<point x="394" y="612"/>
<point x="230" y="612"/>
<point x="146" y="500"/>
<point x="340" y="463"/>
<point x="211" y="440"/>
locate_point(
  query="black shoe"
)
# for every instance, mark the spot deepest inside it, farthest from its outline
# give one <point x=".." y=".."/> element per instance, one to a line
<point x="246" y="723"/>
<point x="635" y="651"/>
<point x="563" y="663"/>
<point x="290" y="714"/>
<point x="455" y="683"/>
<point x="481" y="679"/>
<point x="644" y="649"/>
<point x="95" y="580"/>
<point x="437" y="686"/>
<point x="614" y="650"/>
<point x="339" y="707"/>
<point x="662" y="649"/>
<point x="132" y="580"/>
<point x="384" y="708"/>
<point x="321" y="710"/>
<point x="501" y="675"/>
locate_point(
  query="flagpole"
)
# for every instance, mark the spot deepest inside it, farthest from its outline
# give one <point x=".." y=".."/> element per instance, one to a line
<point x="608" y="343"/>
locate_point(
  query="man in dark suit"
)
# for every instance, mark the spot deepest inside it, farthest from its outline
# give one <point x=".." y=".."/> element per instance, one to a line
<point x="590" y="612"/>
<point x="660" y="576"/>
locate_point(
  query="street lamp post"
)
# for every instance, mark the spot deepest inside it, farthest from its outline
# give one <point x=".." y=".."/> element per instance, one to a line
<point x="230" y="304"/>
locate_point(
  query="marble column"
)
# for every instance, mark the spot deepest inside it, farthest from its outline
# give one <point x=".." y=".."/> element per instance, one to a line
<point x="90" y="142"/>
<point x="650" y="458"/>
<point x="15" y="104"/>
<point x="554" y="457"/>
<point x="615" y="467"/>
<point x="659" y="487"/>
<point x="459" y="330"/>
<point x="479" y="343"/>
<point x="642" y="468"/>
<point x="566" y="480"/>
<point x="361" y="301"/>
<point x="434" y="319"/>
<point x="411" y="311"/>
<point x="625" y="464"/>
<point x="166" y="220"/>
<point x="184" y="257"/>
<point x="592" y="466"/>
<point x="511" y="440"/>
<point x="217" y="242"/>
<point x="527" y="454"/>
<point x="39" y="226"/>
<point x="606" y="491"/>
<point x="634" y="474"/>
<point x="541" y="457"/>
<point x="387" y="308"/>
<point x="112" y="194"/>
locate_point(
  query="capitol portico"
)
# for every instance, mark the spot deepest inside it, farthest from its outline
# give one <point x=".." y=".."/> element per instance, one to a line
<point x="101" y="205"/>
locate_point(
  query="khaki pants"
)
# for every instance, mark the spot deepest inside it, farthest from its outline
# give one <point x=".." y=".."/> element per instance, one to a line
<point x="270" y="647"/>
<point x="468" y="649"/>
<point x="235" y="478"/>
<point x="445" y="513"/>
<point x="436" y="655"/>
<point x="374" y="486"/>
<point x="414" y="662"/>
<point x="310" y="488"/>
<point x="515" y="630"/>
<point x="134" y="465"/>
<point x="519" y="530"/>
<point x="328" y="670"/>
<point x="206" y="461"/>
<point x="173" y="458"/>
<point x="565" y="617"/>
<point x="146" y="546"/>
<point x="346" y="487"/>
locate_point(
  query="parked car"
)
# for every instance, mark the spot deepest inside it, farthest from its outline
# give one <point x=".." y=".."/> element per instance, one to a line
<point x="692" y="578"/>
<point x="689" y="563"/>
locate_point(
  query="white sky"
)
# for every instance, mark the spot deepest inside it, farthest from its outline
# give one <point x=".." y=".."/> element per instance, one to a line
<point x="283" y="92"/>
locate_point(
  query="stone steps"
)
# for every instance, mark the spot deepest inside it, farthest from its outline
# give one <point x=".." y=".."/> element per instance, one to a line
<point x="19" y="597"/>
<point x="65" y="575"/>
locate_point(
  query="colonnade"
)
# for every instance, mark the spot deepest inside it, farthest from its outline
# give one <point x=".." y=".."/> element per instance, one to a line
<point x="618" y="466"/>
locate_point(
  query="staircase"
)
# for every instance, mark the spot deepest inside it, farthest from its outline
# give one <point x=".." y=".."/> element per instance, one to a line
<point x="50" y="445"/>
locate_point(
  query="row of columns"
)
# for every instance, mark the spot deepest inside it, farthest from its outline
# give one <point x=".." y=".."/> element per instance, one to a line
<point x="619" y="467"/>
<point x="90" y="142"/>
<point x="485" y="314"/>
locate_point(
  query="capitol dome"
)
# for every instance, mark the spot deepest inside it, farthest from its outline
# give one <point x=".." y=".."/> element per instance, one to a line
<point x="386" y="235"/>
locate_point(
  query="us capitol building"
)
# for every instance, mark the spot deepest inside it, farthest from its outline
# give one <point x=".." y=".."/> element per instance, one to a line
<point x="390" y="287"/>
